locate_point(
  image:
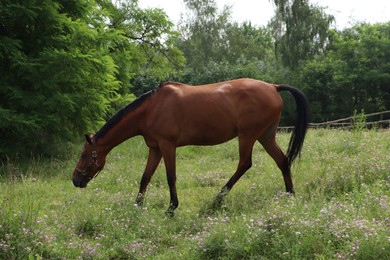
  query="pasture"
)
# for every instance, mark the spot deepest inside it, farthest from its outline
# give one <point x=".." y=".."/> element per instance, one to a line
<point x="341" y="209"/>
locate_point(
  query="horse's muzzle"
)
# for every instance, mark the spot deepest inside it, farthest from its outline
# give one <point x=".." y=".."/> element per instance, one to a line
<point x="79" y="182"/>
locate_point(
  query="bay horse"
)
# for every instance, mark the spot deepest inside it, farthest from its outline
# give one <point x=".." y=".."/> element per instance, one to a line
<point x="175" y="115"/>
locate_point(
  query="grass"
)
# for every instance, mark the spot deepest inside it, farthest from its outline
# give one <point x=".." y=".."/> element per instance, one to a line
<point x="341" y="209"/>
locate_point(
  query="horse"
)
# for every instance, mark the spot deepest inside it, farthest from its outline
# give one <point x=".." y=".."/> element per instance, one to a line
<point x="175" y="115"/>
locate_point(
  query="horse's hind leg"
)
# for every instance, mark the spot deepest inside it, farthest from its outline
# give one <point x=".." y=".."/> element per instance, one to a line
<point x="154" y="159"/>
<point x="245" y="163"/>
<point x="271" y="147"/>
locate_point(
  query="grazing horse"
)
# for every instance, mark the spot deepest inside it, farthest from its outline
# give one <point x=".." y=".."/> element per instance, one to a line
<point x="176" y="114"/>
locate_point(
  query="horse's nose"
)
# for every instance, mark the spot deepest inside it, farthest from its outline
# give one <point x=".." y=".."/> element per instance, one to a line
<point x="79" y="182"/>
<point x="76" y="183"/>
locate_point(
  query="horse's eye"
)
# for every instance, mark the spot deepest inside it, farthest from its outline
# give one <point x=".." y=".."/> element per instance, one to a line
<point x="84" y="155"/>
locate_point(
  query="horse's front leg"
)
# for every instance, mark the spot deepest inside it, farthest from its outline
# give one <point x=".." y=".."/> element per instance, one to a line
<point x="168" y="151"/>
<point x="154" y="159"/>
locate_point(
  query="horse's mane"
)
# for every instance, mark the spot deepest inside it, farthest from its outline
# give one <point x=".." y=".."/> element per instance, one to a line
<point x="128" y="108"/>
<point x="124" y="111"/>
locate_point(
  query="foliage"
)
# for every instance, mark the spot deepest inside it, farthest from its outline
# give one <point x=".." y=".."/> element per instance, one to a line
<point x="300" y="30"/>
<point x="67" y="65"/>
<point x="217" y="49"/>
<point x="366" y="62"/>
<point x="150" y="51"/>
<point x="51" y="64"/>
<point x="352" y="75"/>
<point x="359" y="122"/>
<point x="340" y="209"/>
<point x="203" y="34"/>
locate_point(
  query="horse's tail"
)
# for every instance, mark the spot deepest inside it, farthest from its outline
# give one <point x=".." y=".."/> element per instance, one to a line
<point x="301" y="123"/>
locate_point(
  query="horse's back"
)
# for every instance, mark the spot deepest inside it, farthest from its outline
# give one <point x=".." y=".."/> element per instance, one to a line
<point x="236" y="92"/>
<point x="213" y="113"/>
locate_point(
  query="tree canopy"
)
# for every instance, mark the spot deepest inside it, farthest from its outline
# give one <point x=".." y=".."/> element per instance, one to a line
<point x="217" y="48"/>
<point x="66" y="65"/>
<point x="57" y="74"/>
<point x="300" y="30"/>
<point x="353" y="75"/>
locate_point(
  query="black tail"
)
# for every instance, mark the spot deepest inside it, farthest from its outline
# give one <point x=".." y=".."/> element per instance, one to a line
<point x="301" y="123"/>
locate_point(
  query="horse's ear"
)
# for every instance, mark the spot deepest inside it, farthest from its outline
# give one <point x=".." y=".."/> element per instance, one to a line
<point x="88" y="137"/>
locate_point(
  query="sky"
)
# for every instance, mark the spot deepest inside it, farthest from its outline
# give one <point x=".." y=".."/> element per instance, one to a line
<point x="259" y="12"/>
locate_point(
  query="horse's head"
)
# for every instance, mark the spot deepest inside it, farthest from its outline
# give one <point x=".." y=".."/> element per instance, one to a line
<point x="91" y="162"/>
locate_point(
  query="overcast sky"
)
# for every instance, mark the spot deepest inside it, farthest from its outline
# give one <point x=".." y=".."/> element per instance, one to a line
<point x="259" y="12"/>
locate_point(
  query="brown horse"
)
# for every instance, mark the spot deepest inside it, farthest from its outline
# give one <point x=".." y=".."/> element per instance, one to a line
<point x="175" y="115"/>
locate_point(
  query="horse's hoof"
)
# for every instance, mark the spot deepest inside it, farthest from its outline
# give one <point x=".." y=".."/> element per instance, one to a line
<point x="140" y="200"/>
<point x="218" y="201"/>
<point x="170" y="213"/>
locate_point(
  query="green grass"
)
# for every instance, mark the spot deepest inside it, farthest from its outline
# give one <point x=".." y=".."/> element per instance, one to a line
<point x="341" y="208"/>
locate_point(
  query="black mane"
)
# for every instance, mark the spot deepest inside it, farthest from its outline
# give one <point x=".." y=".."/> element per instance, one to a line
<point x="121" y="113"/>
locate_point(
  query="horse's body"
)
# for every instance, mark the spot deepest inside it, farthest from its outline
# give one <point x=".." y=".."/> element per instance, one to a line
<point x="210" y="114"/>
<point x="175" y="115"/>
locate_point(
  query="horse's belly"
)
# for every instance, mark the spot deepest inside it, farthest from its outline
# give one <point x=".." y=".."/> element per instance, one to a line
<point x="207" y="132"/>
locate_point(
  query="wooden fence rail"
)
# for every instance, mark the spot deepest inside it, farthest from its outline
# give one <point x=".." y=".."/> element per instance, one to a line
<point x="349" y="122"/>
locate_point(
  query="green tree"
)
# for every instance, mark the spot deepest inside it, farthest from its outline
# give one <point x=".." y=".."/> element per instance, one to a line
<point x="364" y="51"/>
<point x="247" y="43"/>
<point x="203" y="33"/>
<point x="57" y="76"/>
<point x="67" y="65"/>
<point x="354" y="74"/>
<point x="300" y="30"/>
<point x="217" y="49"/>
<point x="320" y="82"/>
<point x="149" y="55"/>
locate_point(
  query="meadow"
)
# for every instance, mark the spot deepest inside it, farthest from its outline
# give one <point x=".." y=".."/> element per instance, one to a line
<point x="341" y="209"/>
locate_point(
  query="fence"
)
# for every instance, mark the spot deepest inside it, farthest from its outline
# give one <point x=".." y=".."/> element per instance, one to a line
<point x="381" y="120"/>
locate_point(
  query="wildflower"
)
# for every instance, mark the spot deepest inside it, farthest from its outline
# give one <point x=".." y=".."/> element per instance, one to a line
<point x="25" y="231"/>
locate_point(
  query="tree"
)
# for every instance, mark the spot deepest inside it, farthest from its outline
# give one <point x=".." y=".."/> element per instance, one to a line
<point x="354" y="74"/>
<point x="364" y="51"/>
<point x="57" y="75"/>
<point x="300" y="30"/>
<point x="149" y="55"/>
<point x="203" y="33"/>
<point x="67" y="65"/>
<point x="218" y="49"/>
<point x="321" y="83"/>
<point x="248" y="43"/>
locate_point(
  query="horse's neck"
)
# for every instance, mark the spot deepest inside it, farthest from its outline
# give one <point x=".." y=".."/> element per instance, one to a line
<point x="129" y="126"/>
